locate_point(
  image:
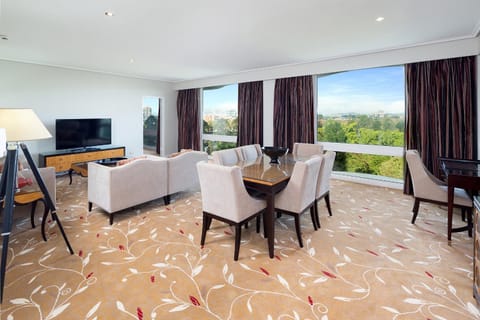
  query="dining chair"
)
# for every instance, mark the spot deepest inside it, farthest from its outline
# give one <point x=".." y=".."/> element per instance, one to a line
<point x="225" y="198"/>
<point x="323" y="183"/>
<point x="299" y="194"/>
<point x="305" y="150"/>
<point x="226" y="157"/>
<point x="250" y="152"/>
<point x="428" y="188"/>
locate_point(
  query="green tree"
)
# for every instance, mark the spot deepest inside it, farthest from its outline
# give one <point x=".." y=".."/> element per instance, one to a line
<point x="333" y="132"/>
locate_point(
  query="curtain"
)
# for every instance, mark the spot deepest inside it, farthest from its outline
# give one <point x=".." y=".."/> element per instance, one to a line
<point x="441" y="111"/>
<point x="158" y="126"/>
<point x="293" y="111"/>
<point x="188" y="108"/>
<point x="250" y="113"/>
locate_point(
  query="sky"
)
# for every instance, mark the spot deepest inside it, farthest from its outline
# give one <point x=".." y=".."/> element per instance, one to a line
<point x="360" y="91"/>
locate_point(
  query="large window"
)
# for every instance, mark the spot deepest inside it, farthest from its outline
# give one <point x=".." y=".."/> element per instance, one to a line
<point x="361" y="114"/>
<point x="220" y="117"/>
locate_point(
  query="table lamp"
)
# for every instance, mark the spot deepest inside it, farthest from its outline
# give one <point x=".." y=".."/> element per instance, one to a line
<point x="19" y="125"/>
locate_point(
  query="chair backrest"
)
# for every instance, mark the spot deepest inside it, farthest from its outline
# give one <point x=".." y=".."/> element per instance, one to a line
<point x="323" y="183"/>
<point x="305" y="150"/>
<point x="425" y="185"/>
<point x="301" y="188"/>
<point x="223" y="191"/>
<point x="251" y="152"/>
<point x="227" y="157"/>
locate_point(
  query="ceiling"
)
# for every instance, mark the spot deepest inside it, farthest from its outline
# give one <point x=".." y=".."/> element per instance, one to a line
<point x="180" y="40"/>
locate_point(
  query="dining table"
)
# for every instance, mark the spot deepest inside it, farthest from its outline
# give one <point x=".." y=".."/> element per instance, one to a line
<point x="267" y="179"/>
<point x="460" y="173"/>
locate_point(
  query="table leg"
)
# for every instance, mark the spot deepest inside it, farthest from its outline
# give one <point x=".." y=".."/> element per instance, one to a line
<point x="450" y="210"/>
<point x="269" y="223"/>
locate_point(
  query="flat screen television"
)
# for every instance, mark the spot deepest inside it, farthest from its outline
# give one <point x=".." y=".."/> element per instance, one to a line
<point x="82" y="133"/>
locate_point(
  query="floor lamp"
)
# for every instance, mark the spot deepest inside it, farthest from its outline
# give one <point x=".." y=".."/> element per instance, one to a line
<point x="19" y="125"/>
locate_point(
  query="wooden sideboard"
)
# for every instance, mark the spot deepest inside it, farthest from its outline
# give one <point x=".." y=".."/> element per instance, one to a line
<point x="62" y="159"/>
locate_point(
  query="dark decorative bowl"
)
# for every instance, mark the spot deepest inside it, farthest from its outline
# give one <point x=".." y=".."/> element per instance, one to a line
<point x="274" y="153"/>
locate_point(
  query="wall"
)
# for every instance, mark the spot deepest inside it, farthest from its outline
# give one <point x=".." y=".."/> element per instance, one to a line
<point x="64" y="93"/>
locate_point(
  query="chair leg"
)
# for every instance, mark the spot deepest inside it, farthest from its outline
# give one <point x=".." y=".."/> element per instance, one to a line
<point x="238" y="234"/>
<point x="259" y="219"/>
<point x="111" y="218"/>
<point x="297" y="228"/>
<point x="463" y="214"/>
<point x="317" y="218"/>
<point x="327" y="201"/>
<point x="44" y="221"/>
<point x="32" y="212"/>
<point x="416" y="205"/>
<point x="89" y="206"/>
<point x="470" y="224"/>
<point x="205" y="227"/>
<point x="312" y="214"/>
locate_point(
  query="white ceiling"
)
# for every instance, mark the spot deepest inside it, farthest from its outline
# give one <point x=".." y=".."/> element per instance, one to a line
<point x="175" y="40"/>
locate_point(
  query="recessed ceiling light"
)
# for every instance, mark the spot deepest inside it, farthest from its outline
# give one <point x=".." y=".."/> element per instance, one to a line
<point x="109" y="13"/>
<point x="379" y="19"/>
<point x="3" y="37"/>
<point x="132" y="60"/>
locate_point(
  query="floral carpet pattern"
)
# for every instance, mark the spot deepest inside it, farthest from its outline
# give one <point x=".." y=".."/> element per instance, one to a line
<point x="367" y="261"/>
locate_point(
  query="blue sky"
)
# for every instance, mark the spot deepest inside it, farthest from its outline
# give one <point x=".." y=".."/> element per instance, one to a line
<point x="361" y="91"/>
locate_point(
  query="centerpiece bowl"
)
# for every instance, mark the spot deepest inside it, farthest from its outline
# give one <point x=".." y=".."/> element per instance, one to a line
<point x="274" y="153"/>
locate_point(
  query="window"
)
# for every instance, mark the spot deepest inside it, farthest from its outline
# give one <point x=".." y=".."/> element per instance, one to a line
<point x="361" y="115"/>
<point x="150" y="110"/>
<point x="220" y="117"/>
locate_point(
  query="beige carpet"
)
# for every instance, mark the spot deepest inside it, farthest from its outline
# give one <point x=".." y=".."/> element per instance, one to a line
<point x="366" y="262"/>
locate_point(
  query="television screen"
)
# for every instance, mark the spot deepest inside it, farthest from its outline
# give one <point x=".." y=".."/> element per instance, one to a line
<point x="82" y="133"/>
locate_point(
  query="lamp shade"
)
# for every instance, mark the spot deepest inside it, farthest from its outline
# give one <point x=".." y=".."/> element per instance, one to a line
<point x="3" y="142"/>
<point x="22" y="125"/>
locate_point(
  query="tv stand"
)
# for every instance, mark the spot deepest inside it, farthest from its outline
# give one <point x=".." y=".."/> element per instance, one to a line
<point x="62" y="159"/>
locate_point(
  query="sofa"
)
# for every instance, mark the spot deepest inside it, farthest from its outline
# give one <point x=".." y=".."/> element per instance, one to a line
<point x="141" y="179"/>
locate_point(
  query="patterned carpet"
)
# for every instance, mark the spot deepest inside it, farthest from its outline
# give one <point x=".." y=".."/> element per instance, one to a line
<point x="366" y="262"/>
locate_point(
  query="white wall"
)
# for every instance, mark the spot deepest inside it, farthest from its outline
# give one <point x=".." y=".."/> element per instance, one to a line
<point x="63" y="93"/>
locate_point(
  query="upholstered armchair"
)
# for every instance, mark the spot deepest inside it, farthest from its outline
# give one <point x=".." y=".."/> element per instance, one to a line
<point x="305" y="150"/>
<point x="426" y="187"/>
<point x="225" y="198"/>
<point x="299" y="194"/>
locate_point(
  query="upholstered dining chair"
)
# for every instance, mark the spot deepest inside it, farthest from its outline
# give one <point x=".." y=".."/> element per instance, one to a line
<point x="225" y="198"/>
<point x="305" y="150"/>
<point x="323" y="183"/>
<point x="428" y="188"/>
<point x="226" y="157"/>
<point x="299" y="194"/>
<point x="250" y="152"/>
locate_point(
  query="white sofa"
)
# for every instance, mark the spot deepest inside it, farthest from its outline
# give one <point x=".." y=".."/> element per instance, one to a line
<point x="141" y="180"/>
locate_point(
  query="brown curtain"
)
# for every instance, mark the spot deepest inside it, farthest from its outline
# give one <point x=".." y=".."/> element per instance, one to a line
<point x="441" y="111"/>
<point x="188" y="108"/>
<point x="250" y="113"/>
<point x="158" y="126"/>
<point x="293" y="111"/>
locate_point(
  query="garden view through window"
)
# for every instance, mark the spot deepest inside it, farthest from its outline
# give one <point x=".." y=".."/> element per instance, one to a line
<point x="365" y="107"/>
<point x="220" y="117"/>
